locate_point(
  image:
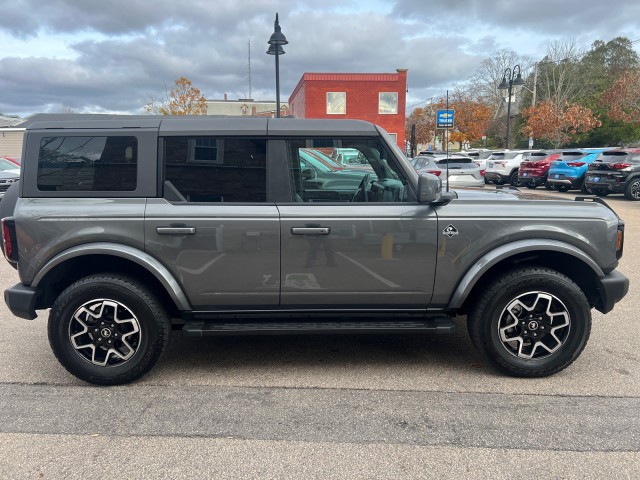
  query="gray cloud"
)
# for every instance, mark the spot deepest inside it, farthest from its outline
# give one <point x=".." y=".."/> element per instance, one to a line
<point x="139" y="48"/>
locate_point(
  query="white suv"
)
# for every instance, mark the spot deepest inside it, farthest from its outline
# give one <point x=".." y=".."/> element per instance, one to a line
<point x="502" y="167"/>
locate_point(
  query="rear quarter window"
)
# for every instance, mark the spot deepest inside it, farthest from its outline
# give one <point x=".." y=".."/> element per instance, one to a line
<point x="87" y="164"/>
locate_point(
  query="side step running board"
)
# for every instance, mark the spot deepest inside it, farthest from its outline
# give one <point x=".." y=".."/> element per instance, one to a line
<point x="439" y="325"/>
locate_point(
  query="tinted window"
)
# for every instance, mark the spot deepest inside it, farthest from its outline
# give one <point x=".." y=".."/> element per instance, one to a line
<point x="369" y="172"/>
<point x="88" y="164"/>
<point x="208" y="169"/>
<point x="455" y="160"/>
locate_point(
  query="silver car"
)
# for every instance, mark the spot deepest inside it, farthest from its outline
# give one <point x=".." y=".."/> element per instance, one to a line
<point x="462" y="171"/>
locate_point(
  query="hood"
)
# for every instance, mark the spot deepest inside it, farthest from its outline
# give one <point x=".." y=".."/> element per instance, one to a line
<point x="502" y="194"/>
<point x="7" y="175"/>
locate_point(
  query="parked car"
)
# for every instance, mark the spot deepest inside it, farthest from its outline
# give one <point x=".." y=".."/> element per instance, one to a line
<point x="480" y="158"/>
<point x="463" y="172"/>
<point x="615" y="171"/>
<point x="568" y="171"/>
<point x="15" y="160"/>
<point x="502" y="167"/>
<point x="6" y="180"/>
<point x="534" y="168"/>
<point x="126" y="231"/>
<point x="9" y="166"/>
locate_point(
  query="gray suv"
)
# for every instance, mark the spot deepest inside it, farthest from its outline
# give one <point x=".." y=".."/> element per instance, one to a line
<point x="130" y="227"/>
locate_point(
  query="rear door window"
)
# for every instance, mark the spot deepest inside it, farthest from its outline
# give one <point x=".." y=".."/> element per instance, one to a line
<point x="211" y="169"/>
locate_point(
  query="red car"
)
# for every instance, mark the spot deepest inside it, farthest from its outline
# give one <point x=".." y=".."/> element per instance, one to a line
<point x="12" y="160"/>
<point x="535" y="167"/>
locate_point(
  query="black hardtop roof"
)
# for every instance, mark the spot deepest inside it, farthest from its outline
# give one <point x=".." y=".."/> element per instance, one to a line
<point x="206" y="125"/>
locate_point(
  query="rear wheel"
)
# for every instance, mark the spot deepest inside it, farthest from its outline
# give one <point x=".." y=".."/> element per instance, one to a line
<point x="108" y="330"/>
<point x="632" y="190"/>
<point x="513" y="179"/>
<point x="531" y="322"/>
<point x="584" y="188"/>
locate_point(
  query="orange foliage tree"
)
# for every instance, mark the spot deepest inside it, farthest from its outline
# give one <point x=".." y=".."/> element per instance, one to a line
<point x="623" y="98"/>
<point x="183" y="99"/>
<point x="424" y="120"/>
<point x="472" y="118"/>
<point x="558" y="121"/>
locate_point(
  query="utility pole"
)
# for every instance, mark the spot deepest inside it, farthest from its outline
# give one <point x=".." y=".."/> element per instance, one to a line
<point x="533" y="100"/>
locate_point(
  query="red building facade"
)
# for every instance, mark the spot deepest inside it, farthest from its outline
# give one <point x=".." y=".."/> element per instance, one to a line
<point x="376" y="97"/>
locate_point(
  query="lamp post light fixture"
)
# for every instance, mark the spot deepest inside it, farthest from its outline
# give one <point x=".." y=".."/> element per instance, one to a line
<point x="275" y="48"/>
<point x="508" y="82"/>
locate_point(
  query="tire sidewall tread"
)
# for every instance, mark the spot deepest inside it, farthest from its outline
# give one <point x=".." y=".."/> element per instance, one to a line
<point x="484" y="316"/>
<point x="154" y="323"/>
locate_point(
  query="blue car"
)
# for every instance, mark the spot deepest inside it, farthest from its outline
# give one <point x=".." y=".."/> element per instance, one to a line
<point x="568" y="171"/>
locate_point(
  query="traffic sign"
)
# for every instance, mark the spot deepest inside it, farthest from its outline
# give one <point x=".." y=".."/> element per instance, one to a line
<point x="444" y="119"/>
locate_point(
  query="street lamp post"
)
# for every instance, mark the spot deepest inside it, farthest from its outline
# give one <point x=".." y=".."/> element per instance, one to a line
<point x="275" y="48"/>
<point x="508" y="82"/>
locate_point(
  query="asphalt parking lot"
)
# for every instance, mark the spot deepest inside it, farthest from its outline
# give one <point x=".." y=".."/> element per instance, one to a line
<point x="329" y="406"/>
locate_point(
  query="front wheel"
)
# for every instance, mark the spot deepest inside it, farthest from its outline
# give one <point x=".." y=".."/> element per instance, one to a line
<point x="632" y="190"/>
<point x="531" y="322"/>
<point x="108" y="330"/>
<point x="531" y="185"/>
<point x="513" y="179"/>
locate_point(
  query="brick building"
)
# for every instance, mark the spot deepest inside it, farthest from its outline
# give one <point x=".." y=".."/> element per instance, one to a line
<point x="376" y="97"/>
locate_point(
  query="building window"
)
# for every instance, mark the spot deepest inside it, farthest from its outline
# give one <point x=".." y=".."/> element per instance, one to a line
<point x="388" y="103"/>
<point x="336" y="103"/>
<point x="394" y="136"/>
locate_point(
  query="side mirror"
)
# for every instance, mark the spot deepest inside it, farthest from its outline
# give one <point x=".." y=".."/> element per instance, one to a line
<point x="429" y="188"/>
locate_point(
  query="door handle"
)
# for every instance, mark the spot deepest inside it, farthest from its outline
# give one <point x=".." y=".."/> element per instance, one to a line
<point x="310" y="230"/>
<point x="176" y="230"/>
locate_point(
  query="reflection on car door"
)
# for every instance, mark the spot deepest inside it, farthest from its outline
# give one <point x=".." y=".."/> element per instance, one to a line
<point x="370" y="245"/>
<point x="214" y="229"/>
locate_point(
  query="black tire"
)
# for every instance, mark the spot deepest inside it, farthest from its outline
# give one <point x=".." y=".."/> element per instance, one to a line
<point x="600" y="192"/>
<point x="559" y="338"/>
<point x="531" y="185"/>
<point x="548" y="186"/>
<point x="632" y="190"/>
<point x="562" y="188"/>
<point x="584" y="188"/>
<point x="513" y="179"/>
<point x="108" y="330"/>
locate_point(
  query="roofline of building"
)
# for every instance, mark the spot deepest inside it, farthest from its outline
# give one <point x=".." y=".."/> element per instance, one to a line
<point x="384" y="77"/>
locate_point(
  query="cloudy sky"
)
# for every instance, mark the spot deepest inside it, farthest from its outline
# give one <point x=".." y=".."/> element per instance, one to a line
<point x="111" y="56"/>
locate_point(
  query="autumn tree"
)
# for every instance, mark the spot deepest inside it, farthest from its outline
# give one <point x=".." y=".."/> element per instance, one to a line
<point x="183" y="99"/>
<point x="472" y="117"/>
<point x="424" y="120"/>
<point x="555" y="122"/>
<point x="623" y="99"/>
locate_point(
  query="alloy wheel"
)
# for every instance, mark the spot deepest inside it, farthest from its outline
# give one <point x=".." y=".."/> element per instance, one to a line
<point x="105" y="332"/>
<point x="534" y="325"/>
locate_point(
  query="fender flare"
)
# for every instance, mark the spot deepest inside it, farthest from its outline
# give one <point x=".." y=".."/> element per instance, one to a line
<point x="146" y="261"/>
<point x="489" y="259"/>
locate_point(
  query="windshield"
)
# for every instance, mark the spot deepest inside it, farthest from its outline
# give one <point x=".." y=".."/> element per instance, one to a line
<point x="7" y="165"/>
<point x="312" y="162"/>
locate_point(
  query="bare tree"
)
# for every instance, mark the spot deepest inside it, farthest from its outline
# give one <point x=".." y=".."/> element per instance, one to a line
<point x="485" y="80"/>
<point x="561" y="75"/>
